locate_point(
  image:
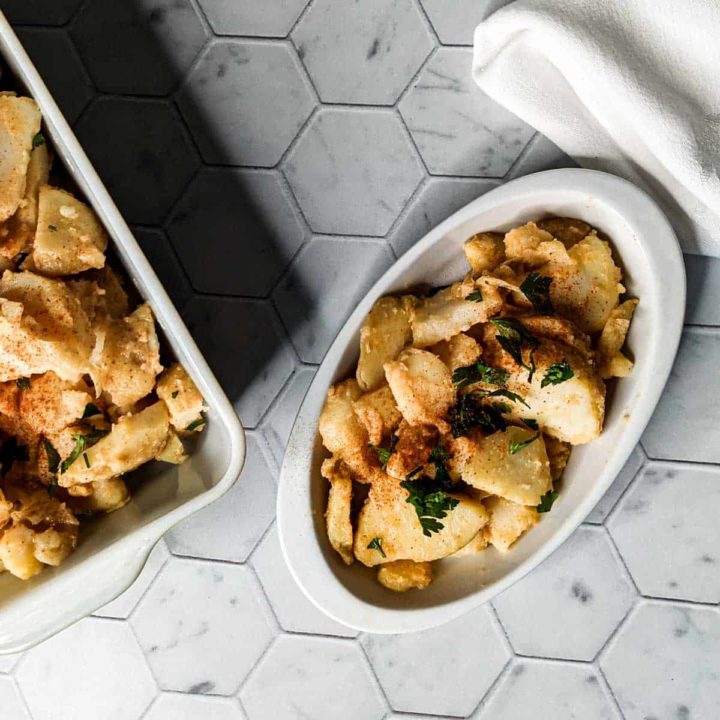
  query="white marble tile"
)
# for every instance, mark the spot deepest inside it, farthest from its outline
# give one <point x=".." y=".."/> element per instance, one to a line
<point x="202" y="626"/>
<point x="455" y="20"/>
<point x="92" y="670"/>
<point x="664" y="663"/>
<point x="428" y="671"/>
<point x="686" y="423"/>
<point x="614" y="492"/>
<point x="280" y="419"/>
<point x="458" y="129"/>
<point x="8" y="662"/>
<point x="174" y="706"/>
<point x="352" y="171"/>
<point x="382" y="44"/>
<point x="703" y="290"/>
<point x="245" y="217"/>
<point x="318" y="678"/>
<point x="40" y="12"/>
<point x="294" y="611"/>
<point x="229" y="528"/>
<point x="540" y="154"/>
<point x="437" y="200"/>
<point x="323" y="286"/>
<point x="569" y="606"/>
<point x="125" y="603"/>
<point x="667" y="531"/>
<point x="260" y="99"/>
<point x="12" y="706"/>
<point x="533" y="689"/>
<point x="269" y="18"/>
<point x="247" y="348"/>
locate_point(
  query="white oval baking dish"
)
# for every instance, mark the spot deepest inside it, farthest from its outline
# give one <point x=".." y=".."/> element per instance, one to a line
<point x="113" y="549"/>
<point x="654" y="272"/>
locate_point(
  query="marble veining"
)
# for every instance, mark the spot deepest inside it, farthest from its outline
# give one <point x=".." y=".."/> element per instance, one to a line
<point x="273" y="157"/>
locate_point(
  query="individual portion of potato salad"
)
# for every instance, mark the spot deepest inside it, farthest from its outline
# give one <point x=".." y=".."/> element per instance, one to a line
<point x="454" y="433"/>
<point x="84" y="398"/>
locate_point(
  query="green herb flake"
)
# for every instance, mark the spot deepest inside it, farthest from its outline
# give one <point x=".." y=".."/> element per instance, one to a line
<point x="82" y="443"/>
<point x="479" y="372"/>
<point x="383" y="454"/>
<point x="23" y="383"/>
<point x="438" y="457"/>
<point x="475" y="296"/>
<point x="195" y="424"/>
<point x="516" y="447"/>
<point x="52" y="486"/>
<point x="87" y="460"/>
<point x="503" y="392"/>
<point x="52" y="228"/>
<point x="174" y="394"/>
<point x="514" y="338"/>
<point x="547" y="501"/>
<point x="532" y="424"/>
<point x="376" y="544"/>
<point x="469" y="413"/>
<point x="431" y="504"/>
<point x="536" y="288"/>
<point x="91" y="410"/>
<point x="557" y="373"/>
<point x="38" y="140"/>
<point x="53" y="456"/>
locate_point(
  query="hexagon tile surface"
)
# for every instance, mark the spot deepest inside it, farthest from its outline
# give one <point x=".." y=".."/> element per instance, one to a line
<point x="273" y="157"/>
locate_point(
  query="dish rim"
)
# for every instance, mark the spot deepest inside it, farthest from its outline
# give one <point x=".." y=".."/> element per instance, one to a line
<point x="295" y="512"/>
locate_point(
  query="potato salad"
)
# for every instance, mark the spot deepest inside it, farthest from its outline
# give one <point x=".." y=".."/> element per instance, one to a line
<point x="453" y="435"/>
<point x="84" y="398"/>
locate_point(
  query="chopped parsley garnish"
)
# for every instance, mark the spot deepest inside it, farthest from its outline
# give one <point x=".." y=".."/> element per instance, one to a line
<point x="438" y="456"/>
<point x="52" y="486"/>
<point x="82" y="443"/>
<point x="536" y="288"/>
<point x="376" y="544"/>
<point x="475" y="296"/>
<point x="23" y="383"/>
<point x="53" y="456"/>
<point x="90" y="410"/>
<point x="87" y="461"/>
<point x="38" y="140"/>
<point x="174" y="394"/>
<point x="503" y="392"/>
<point x="557" y="373"/>
<point x="532" y="424"/>
<point x="546" y="501"/>
<point x="469" y="413"/>
<point x="479" y="372"/>
<point x="9" y="453"/>
<point x="431" y="503"/>
<point x="383" y="454"/>
<point x="195" y="424"/>
<point x="516" y="447"/>
<point x="514" y="338"/>
<point x="52" y="228"/>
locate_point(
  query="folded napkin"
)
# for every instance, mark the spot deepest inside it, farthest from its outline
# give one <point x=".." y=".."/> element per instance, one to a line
<point x="627" y="86"/>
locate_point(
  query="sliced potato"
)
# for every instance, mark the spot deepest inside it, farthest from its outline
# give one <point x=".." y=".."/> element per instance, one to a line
<point x="173" y="452"/>
<point x="133" y="441"/>
<point x="535" y="247"/>
<point x="339" y="507"/>
<point x="404" y="575"/>
<point x="184" y="401"/>
<point x="569" y="231"/>
<point x="19" y="124"/>
<point x="558" y="453"/>
<point x="105" y="496"/>
<point x="412" y="450"/>
<point x="508" y="521"/>
<point x="611" y="361"/>
<point x="476" y="545"/>
<point x="17" y="552"/>
<point x="422" y="386"/>
<point x="69" y="237"/>
<point x="386" y="514"/>
<point x="377" y="411"/>
<point x="385" y="333"/>
<point x="484" y="251"/>
<point x="459" y="351"/>
<point x="502" y="464"/>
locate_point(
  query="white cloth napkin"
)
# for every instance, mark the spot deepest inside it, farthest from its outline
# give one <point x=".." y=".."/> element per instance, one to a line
<point x="627" y="86"/>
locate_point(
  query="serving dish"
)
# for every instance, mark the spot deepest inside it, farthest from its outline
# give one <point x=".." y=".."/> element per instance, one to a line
<point x="113" y="549"/>
<point x="647" y="249"/>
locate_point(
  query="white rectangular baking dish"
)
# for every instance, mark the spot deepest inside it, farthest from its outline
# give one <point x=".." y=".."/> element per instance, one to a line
<point x="654" y="271"/>
<point x="113" y="549"/>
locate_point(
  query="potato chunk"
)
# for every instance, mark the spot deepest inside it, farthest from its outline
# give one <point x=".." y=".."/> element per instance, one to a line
<point x="535" y="247"/>
<point x="484" y="251"/>
<point x="69" y="237"/>
<point x="508" y="521"/>
<point x="17" y="552"/>
<point x="49" y="404"/>
<point x="569" y="231"/>
<point x="386" y="514"/>
<point x="19" y="124"/>
<point x="404" y="575"/>
<point x="339" y="505"/>
<point x="414" y="444"/>
<point x="127" y="360"/>
<point x="184" y="401"/>
<point x="499" y="464"/>
<point x="422" y="386"/>
<point x="611" y="361"/>
<point x="385" y="333"/>
<point x="105" y="496"/>
<point x="476" y="545"/>
<point x="133" y="441"/>
<point x="42" y="327"/>
<point x="459" y="351"/>
<point x="587" y="290"/>
<point x="377" y="411"/>
<point x="173" y="452"/>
